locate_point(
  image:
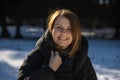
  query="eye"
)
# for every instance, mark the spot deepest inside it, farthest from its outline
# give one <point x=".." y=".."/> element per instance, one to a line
<point x="69" y="29"/>
<point x="58" y="27"/>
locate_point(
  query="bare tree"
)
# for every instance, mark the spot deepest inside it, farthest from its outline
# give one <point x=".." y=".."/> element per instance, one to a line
<point x="5" y="32"/>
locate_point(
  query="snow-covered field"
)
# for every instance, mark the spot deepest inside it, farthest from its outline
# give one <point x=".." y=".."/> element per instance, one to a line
<point x="104" y="54"/>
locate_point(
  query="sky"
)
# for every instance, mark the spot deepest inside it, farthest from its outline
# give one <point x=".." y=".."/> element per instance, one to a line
<point x="104" y="54"/>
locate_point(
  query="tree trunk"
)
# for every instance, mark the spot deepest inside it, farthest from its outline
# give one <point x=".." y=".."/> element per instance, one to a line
<point x="5" y="33"/>
<point x="18" y="25"/>
<point x="117" y="20"/>
<point x="117" y="31"/>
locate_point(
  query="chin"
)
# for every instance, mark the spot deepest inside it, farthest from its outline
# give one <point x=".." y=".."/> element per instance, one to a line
<point x="63" y="47"/>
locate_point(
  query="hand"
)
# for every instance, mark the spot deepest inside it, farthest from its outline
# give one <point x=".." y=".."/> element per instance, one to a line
<point x="55" y="61"/>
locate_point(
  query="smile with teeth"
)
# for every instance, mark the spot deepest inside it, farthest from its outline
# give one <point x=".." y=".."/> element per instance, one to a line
<point x="63" y="39"/>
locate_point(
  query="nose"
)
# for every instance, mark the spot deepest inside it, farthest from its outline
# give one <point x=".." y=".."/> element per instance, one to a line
<point x="63" y="32"/>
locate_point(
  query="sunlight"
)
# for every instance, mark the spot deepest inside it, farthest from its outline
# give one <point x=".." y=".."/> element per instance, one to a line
<point x="6" y="56"/>
<point x="104" y="73"/>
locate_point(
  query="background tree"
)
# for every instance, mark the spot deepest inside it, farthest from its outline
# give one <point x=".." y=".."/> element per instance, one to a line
<point x="4" y="7"/>
<point x="35" y="12"/>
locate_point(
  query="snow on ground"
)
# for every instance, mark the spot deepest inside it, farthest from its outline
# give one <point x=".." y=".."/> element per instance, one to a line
<point x="104" y="54"/>
<point x="12" y="53"/>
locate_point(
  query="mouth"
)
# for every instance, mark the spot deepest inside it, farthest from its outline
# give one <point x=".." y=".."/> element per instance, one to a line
<point x="62" y="39"/>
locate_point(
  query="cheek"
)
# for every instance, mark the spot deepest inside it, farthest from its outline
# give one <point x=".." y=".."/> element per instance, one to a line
<point x="71" y="38"/>
<point x="54" y="34"/>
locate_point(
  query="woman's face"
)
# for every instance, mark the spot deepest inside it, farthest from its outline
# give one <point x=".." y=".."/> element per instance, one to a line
<point x="62" y="33"/>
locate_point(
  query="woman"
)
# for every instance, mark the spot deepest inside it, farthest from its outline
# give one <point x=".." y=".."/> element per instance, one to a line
<point x="61" y="53"/>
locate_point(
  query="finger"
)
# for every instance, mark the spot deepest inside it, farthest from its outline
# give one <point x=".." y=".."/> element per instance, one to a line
<point x="58" y="57"/>
<point x="57" y="53"/>
<point x="52" y="54"/>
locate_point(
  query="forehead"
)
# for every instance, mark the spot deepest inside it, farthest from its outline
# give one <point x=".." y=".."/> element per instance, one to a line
<point x="61" y="20"/>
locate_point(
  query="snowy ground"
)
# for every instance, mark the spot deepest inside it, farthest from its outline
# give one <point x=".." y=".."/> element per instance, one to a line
<point x="104" y="54"/>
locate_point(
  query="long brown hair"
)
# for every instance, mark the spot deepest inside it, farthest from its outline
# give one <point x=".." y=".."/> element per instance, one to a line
<point x="75" y="25"/>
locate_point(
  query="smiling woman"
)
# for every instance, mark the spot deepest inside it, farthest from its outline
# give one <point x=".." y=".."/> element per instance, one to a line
<point x="61" y="53"/>
<point x="61" y="32"/>
<point x="65" y="23"/>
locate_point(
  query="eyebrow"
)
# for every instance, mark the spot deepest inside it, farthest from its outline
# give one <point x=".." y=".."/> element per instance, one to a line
<point x="62" y="25"/>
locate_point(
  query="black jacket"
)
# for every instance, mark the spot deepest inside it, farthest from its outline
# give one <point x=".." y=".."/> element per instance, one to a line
<point x="35" y="66"/>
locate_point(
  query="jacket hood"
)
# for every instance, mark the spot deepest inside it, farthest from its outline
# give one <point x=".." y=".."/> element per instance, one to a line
<point x="81" y="55"/>
<point x="42" y="39"/>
